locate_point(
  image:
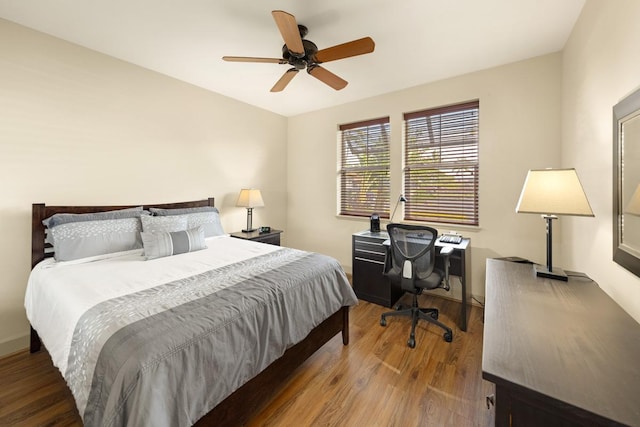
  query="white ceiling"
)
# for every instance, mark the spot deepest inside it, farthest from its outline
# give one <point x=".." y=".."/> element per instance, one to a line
<point x="417" y="41"/>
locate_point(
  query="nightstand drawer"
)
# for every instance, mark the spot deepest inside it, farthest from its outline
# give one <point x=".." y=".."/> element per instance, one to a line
<point x="272" y="237"/>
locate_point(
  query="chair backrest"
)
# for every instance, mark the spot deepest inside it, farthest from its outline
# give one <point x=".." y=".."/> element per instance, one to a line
<point x="412" y="253"/>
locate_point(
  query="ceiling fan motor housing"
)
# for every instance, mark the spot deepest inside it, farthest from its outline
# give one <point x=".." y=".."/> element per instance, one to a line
<point x="301" y="61"/>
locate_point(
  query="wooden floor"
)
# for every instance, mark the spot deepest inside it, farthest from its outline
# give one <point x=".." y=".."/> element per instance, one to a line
<point x="374" y="381"/>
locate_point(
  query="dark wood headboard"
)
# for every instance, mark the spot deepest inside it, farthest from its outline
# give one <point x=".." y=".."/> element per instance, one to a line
<point x="41" y="211"/>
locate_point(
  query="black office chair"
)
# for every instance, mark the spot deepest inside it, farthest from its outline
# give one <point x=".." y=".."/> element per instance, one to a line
<point x="411" y="263"/>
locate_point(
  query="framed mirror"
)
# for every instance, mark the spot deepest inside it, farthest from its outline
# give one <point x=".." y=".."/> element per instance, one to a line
<point x="626" y="183"/>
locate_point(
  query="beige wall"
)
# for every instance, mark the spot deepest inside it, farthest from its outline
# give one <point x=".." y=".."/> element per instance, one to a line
<point x="78" y="127"/>
<point x="519" y="129"/>
<point x="601" y="65"/>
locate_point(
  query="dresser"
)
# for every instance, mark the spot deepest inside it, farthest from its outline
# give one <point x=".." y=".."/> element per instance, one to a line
<point x="559" y="353"/>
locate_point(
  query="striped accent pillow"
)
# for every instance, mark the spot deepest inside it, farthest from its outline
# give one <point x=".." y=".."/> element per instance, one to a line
<point x="161" y="244"/>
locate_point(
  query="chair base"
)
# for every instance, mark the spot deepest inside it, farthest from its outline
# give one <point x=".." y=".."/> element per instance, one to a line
<point x="416" y="313"/>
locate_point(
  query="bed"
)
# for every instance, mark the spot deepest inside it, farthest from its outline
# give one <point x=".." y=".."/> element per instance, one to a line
<point x="203" y="336"/>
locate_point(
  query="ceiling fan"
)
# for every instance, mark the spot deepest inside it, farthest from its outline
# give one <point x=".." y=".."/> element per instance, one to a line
<point x="301" y="53"/>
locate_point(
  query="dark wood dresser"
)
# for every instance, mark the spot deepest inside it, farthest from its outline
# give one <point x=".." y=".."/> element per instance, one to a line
<point x="559" y="353"/>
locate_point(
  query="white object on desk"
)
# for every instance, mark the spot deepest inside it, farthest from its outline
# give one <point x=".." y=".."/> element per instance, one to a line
<point x="446" y="250"/>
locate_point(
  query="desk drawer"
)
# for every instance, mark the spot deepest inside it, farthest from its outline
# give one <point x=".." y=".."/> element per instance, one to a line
<point x="366" y="255"/>
<point x="362" y="243"/>
<point x="369" y="281"/>
<point x="369" y="249"/>
<point x="370" y="284"/>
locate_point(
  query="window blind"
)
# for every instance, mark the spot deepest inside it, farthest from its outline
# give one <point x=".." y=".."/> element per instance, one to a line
<point x="364" y="168"/>
<point x="441" y="164"/>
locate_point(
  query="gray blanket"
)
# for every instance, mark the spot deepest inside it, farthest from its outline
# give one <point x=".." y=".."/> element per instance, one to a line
<point x="167" y="355"/>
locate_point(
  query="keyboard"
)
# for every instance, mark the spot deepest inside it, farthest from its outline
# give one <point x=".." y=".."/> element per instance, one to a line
<point x="451" y="238"/>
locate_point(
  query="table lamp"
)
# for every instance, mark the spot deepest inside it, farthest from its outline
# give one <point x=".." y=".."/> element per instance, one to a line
<point x="553" y="192"/>
<point x="400" y="199"/>
<point x="249" y="198"/>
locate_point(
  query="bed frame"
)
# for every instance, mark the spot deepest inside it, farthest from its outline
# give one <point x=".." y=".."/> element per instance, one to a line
<point x="238" y="407"/>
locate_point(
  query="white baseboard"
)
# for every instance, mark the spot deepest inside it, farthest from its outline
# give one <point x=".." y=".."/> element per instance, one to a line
<point x="14" y="345"/>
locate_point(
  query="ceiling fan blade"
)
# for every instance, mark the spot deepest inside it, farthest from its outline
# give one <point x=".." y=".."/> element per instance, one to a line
<point x="327" y="77"/>
<point x="289" y="30"/>
<point x="253" y="59"/>
<point x="346" y="50"/>
<point x="284" y="80"/>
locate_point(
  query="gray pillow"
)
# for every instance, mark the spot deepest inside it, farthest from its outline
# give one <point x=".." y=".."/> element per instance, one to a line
<point x="75" y="240"/>
<point x="181" y="211"/>
<point x="210" y="222"/>
<point x="207" y="216"/>
<point x="164" y="224"/>
<point x="162" y="244"/>
<point x="64" y="218"/>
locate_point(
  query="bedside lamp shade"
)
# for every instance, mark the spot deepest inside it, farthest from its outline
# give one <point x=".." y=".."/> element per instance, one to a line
<point x="552" y="192"/>
<point x="633" y="207"/>
<point x="249" y="198"/>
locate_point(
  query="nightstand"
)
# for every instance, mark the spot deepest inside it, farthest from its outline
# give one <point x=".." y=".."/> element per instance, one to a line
<point x="272" y="237"/>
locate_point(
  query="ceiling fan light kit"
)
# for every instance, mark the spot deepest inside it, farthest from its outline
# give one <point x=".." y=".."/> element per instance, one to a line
<point x="301" y="53"/>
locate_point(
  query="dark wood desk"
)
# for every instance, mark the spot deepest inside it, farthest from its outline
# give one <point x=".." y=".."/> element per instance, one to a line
<point x="559" y="353"/>
<point x="368" y="255"/>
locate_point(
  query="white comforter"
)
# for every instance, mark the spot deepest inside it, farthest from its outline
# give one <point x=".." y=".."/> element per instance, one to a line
<point x="58" y="293"/>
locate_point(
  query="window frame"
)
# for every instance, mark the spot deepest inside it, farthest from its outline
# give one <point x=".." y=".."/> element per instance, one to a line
<point x="355" y="169"/>
<point x="455" y="134"/>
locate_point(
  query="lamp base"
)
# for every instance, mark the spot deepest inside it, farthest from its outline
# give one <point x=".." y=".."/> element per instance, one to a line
<point x="249" y="231"/>
<point x="555" y="273"/>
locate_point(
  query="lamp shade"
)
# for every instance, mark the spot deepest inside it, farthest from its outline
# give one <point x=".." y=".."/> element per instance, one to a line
<point x="250" y="198"/>
<point x="633" y="207"/>
<point x="553" y="192"/>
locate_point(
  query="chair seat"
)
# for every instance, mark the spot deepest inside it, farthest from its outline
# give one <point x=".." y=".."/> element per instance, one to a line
<point x="432" y="281"/>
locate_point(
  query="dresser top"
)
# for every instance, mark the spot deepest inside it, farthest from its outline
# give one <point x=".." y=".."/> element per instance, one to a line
<point x="566" y="342"/>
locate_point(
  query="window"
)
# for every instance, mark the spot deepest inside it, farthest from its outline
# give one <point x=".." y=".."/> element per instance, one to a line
<point x="364" y="168"/>
<point x="441" y="164"/>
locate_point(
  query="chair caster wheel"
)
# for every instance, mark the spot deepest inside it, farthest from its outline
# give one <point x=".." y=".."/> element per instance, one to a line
<point x="448" y="336"/>
<point x="434" y="315"/>
<point x="383" y="321"/>
<point x="411" y="343"/>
